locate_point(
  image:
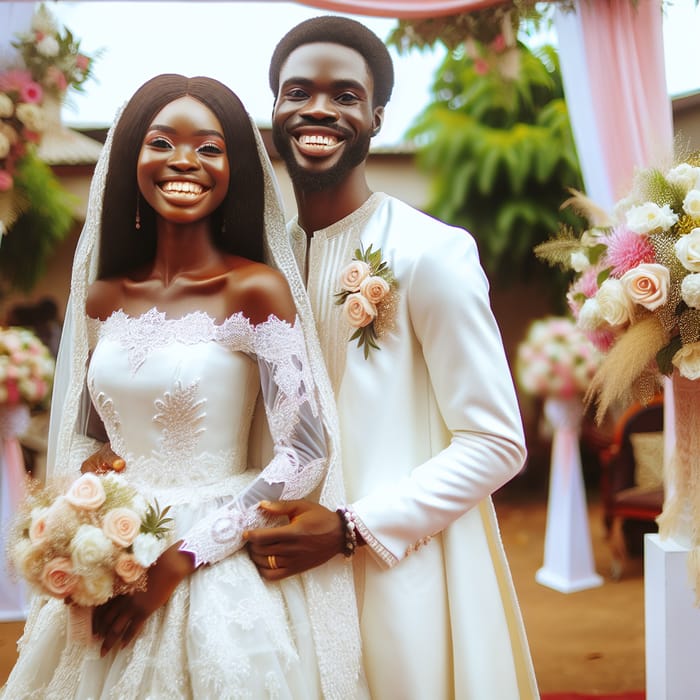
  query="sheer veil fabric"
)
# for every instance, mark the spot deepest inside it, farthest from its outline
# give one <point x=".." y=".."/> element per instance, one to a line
<point x="328" y="588"/>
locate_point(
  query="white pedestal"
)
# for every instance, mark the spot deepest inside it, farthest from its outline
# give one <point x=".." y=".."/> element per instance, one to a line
<point x="672" y="623"/>
<point x="568" y="556"/>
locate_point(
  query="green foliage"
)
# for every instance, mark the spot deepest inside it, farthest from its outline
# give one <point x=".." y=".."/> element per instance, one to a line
<point x="26" y="247"/>
<point x="500" y="154"/>
<point x="155" y="521"/>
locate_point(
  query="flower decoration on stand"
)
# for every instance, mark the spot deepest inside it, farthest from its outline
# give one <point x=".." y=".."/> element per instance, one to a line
<point x="367" y="296"/>
<point x="26" y="368"/>
<point x="90" y="542"/>
<point x="556" y="359"/>
<point x="22" y="120"/>
<point x="52" y="56"/>
<point x="637" y="286"/>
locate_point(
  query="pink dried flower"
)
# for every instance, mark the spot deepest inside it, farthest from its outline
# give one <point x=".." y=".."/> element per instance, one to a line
<point x="626" y="250"/>
<point x="56" y="78"/>
<point x="6" y="181"/>
<point x="499" y="43"/>
<point x="32" y="93"/>
<point x="82" y="62"/>
<point x="481" y="66"/>
<point x="14" y="80"/>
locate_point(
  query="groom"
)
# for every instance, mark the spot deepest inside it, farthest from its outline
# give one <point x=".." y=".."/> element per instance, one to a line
<point x="428" y="416"/>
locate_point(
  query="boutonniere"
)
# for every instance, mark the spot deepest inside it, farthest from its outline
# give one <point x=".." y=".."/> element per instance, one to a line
<point x="367" y="296"/>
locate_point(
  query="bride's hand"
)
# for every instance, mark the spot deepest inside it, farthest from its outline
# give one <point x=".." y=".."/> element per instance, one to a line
<point x="121" y="618"/>
<point x="104" y="460"/>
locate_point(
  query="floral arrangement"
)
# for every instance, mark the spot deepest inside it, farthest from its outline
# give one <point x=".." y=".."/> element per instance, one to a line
<point x="26" y="367"/>
<point x="637" y="287"/>
<point x="90" y="543"/>
<point x="556" y="359"/>
<point x="53" y="57"/>
<point x="22" y="120"/>
<point x="367" y="285"/>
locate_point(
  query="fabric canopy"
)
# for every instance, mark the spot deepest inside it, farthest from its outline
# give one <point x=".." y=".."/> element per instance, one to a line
<point x="401" y="9"/>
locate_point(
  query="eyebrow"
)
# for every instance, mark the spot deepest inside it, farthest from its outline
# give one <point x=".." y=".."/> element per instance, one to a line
<point x="171" y="130"/>
<point x="337" y="84"/>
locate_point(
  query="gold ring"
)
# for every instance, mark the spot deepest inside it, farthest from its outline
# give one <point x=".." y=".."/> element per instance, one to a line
<point x="271" y="561"/>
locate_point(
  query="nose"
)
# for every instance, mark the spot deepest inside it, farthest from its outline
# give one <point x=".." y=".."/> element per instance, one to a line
<point x="184" y="157"/>
<point x="321" y="108"/>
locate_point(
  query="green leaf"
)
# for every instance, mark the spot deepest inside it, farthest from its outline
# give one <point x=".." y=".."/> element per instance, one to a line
<point x="665" y="355"/>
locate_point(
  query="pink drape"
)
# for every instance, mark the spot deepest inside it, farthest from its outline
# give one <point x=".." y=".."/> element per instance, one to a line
<point x="402" y="9"/>
<point x="612" y="60"/>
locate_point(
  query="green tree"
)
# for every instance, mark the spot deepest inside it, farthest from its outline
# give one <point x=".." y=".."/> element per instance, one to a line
<point x="497" y="144"/>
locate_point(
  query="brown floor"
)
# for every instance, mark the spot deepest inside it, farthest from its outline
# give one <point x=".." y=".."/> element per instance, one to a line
<point x="591" y="641"/>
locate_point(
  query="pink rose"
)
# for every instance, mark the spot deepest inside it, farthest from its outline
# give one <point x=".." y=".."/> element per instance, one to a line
<point x="647" y="284"/>
<point x="86" y="493"/>
<point x="359" y="311"/>
<point x="128" y="569"/>
<point x="374" y="288"/>
<point x="58" y="578"/>
<point x="38" y="529"/>
<point x="353" y="274"/>
<point x="121" y="525"/>
<point x="6" y="181"/>
<point x="82" y="62"/>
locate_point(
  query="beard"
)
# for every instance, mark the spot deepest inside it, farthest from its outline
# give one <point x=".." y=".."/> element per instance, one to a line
<point x="310" y="181"/>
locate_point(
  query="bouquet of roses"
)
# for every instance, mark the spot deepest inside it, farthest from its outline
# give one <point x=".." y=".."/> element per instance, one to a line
<point x="90" y="542"/>
<point x="556" y="359"/>
<point x="637" y="287"/>
<point x="26" y="367"/>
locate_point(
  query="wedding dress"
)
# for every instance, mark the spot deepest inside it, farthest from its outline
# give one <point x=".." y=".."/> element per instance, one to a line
<point x="177" y="398"/>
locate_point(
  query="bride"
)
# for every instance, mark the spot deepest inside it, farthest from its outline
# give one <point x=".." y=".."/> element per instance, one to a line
<point x="175" y="330"/>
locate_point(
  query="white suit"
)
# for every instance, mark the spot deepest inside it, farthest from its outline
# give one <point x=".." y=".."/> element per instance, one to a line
<point x="429" y="428"/>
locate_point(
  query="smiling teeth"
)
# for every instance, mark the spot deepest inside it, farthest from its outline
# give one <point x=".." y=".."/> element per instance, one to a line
<point x="315" y="140"/>
<point x="182" y="187"/>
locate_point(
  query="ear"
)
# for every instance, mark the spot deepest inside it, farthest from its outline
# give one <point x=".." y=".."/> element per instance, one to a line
<point x="377" y="120"/>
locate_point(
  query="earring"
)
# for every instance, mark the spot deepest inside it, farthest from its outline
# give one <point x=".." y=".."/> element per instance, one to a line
<point x="137" y="222"/>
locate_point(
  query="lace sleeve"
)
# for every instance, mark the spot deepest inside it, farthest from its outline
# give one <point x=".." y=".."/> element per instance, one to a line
<point x="300" y="452"/>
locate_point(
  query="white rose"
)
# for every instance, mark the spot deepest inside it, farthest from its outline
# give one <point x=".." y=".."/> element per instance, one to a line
<point x="90" y="547"/>
<point x="48" y="46"/>
<point x="688" y="250"/>
<point x="647" y="284"/>
<point x="579" y="261"/>
<point x="691" y="204"/>
<point x="589" y="317"/>
<point x="687" y="359"/>
<point x="613" y="302"/>
<point x="95" y="588"/>
<point x="649" y="217"/>
<point x="147" y="549"/>
<point x="684" y="175"/>
<point x="32" y="116"/>
<point x="7" y="106"/>
<point x="690" y="290"/>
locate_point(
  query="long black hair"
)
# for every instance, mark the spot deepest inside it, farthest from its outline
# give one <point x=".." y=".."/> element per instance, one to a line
<point x="237" y="225"/>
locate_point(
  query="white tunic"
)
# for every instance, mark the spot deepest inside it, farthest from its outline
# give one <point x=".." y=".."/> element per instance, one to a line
<point x="430" y="427"/>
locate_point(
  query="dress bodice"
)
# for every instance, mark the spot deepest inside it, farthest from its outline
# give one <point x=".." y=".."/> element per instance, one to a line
<point x="176" y="396"/>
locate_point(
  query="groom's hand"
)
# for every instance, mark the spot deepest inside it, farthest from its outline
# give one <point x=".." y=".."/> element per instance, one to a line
<point x="313" y="535"/>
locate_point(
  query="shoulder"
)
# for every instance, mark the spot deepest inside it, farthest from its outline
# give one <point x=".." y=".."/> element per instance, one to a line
<point x="103" y="298"/>
<point x="259" y="291"/>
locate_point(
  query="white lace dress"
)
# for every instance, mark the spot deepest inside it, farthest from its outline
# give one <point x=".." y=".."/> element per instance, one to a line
<point x="177" y="398"/>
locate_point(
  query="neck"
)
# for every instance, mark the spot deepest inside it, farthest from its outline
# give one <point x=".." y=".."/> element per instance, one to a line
<point x="183" y="250"/>
<point x="318" y="209"/>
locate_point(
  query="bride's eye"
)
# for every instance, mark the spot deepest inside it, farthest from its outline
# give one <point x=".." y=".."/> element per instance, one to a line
<point x="159" y="142"/>
<point x="211" y="149"/>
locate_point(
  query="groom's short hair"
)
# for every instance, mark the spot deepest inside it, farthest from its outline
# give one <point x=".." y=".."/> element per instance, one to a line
<point x="346" y="32"/>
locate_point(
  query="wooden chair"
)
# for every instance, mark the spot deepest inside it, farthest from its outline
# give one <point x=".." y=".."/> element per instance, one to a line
<point x="630" y="506"/>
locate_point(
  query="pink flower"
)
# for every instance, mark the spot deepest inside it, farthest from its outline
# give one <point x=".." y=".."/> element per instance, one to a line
<point x="375" y="288"/>
<point x="14" y="80"/>
<point x="481" y="66"/>
<point x="86" y="493"/>
<point x="128" y="569"/>
<point x="499" y="43"/>
<point x="6" y="181"/>
<point x="121" y="525"/>
<point x="626" y="250"/>
<point x="31" y="92"/>
<point x="359" y="312"/>
<point x="82" y="62"/>
<point x="352" y="275"/>
<point x="55" y="77"/>
<point x="58" y="577"/>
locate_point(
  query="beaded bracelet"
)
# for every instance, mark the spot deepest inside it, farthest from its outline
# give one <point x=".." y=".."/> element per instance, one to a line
<point x="348" y="519"/>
